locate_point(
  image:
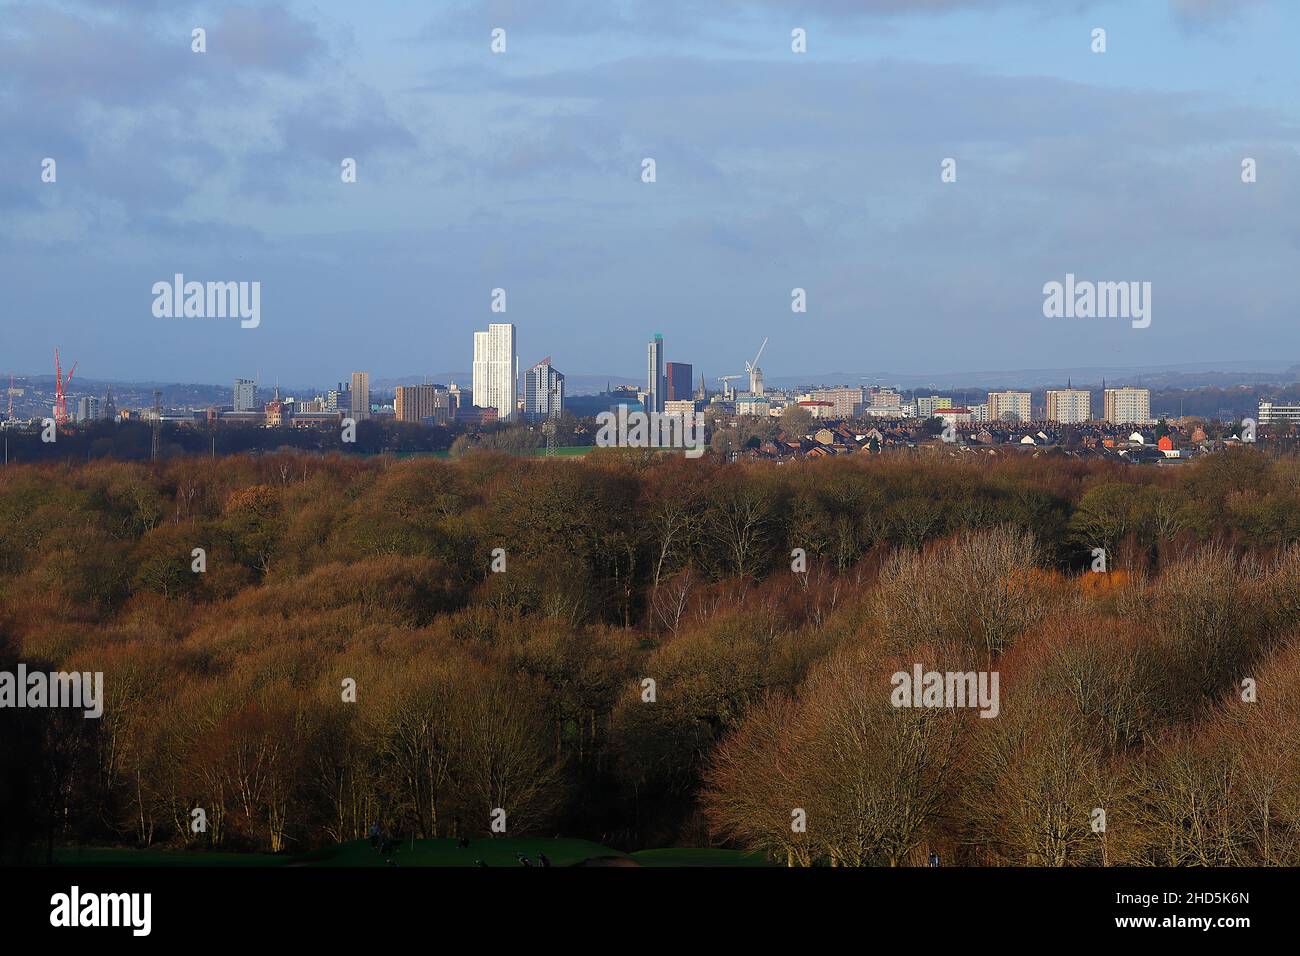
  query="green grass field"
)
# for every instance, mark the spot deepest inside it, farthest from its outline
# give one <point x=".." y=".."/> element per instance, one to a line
<point x="421" y="853"/>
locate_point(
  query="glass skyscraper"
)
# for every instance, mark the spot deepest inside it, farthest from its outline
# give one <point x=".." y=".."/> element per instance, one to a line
<point x="655" y="374"/>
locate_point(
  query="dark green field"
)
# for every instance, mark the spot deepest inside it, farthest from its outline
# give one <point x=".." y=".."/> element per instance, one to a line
<point x="359" y="853"/>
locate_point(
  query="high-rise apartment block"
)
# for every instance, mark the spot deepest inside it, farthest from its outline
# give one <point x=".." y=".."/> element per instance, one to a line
<point x="543" y="392"/>
<point x="1127" y="406"/>
<point x="245" y="395"/>
<point x="681" y="408"/>
<point x="1069" y="406"/>
<point x="654" y="401"/>
<point x="885" y="398"/>
<point x="845" y="401"/>
<point x="927" y="405"/>
<point x="1010" y="407"/>
<point x="87" y="409"/>
<point x="360" y="408"/>
<point x="496" y="367"/>
<point x="415" y="403"/>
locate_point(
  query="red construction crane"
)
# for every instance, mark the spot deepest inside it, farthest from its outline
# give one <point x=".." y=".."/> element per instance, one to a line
<point x="61" y="390"/>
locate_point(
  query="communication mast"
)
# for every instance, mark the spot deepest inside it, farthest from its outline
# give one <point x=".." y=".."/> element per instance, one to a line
<point x="157" y="423"/>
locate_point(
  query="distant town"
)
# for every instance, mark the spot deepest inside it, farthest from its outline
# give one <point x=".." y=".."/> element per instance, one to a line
<point x="743" y="418"/>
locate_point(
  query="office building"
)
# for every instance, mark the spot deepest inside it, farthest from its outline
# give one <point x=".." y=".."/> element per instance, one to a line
<point x="927" y="405"/>
<point x="314" y="419"/>
<point x="885" y="398"/>
<point x="1069" y="406"/>
<point x="678" y="381"/>
<point x="1127" y="406"/>
<point x="415" y="403"/>
<point x="360" y="395"/>
<point x="87" y="409"/>
<point x="883" y="403"/>
<point x="496" y="367"/>
<point x="543" y="392"/>
<point x="1275" y="413"/>
<point x="475" y="415"/>
<point x="245" y="397"/>
<point x="1010" y="407"/>
<point x="845" y="401"/>
<point x="654" y="400"/>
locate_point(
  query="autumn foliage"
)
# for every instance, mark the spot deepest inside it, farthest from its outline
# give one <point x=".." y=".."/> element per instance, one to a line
<point x="1163" y="692"/>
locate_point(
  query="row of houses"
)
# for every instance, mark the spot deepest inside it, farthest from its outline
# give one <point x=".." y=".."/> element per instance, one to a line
<point x="1138" y="445"/>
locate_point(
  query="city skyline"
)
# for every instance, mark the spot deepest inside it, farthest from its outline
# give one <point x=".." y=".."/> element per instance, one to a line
<point x="496" y="388"/>
<point x="1239" y="372"/>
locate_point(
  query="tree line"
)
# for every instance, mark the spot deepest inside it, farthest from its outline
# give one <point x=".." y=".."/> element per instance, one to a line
<point x="525" y="688"/>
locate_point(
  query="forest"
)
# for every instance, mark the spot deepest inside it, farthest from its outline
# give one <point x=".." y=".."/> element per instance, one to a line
<point x="650" y="651"/>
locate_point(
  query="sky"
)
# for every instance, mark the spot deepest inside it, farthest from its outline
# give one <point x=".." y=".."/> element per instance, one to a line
<point x="522" y="170"/>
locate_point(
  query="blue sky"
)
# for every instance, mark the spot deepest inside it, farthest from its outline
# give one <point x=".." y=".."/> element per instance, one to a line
<point x="522" y="170"/>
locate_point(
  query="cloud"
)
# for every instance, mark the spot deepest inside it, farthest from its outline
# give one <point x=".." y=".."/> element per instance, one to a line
<point x="525" y="171"/>
<point x="267" y="38"/>
<point x="142" y="127"/>
<point x="551" y="17"/>
<point x="1213" y="9"/>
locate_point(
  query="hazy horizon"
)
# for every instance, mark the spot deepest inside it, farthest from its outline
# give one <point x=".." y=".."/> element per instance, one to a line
<point x="580" y="383"/>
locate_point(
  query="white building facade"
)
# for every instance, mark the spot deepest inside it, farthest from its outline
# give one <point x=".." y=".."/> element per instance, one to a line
<point x="1010" y="407"/>
<point x="1128" y="406"/>
<point x="495" y="369"/>
<point x="1069" y="406"/>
